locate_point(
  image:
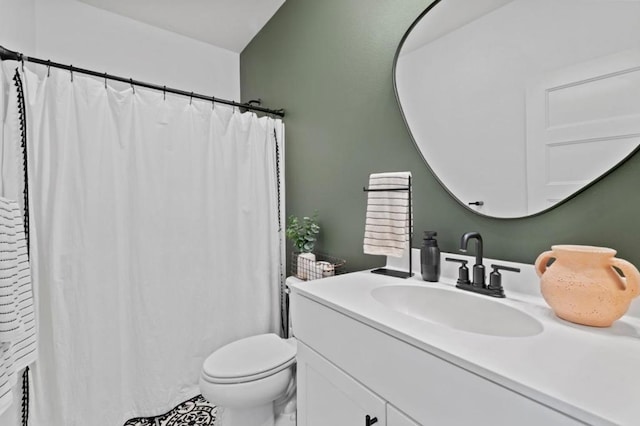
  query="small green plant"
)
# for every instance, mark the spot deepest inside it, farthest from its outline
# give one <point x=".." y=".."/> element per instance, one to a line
<point x="303" y="232"/>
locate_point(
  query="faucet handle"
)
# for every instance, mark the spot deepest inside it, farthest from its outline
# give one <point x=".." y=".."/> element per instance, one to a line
<point x="463" y="271"/>
<point x="497" y="268"/>
<point x="495" y="279"/>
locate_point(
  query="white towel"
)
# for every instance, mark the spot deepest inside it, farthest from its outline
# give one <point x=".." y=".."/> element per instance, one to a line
<point x="388" y="220"/>
<point x="24" y="348"/>
<point x="17" y="317"/>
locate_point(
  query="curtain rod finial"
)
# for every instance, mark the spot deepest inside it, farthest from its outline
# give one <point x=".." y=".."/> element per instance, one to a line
<point x="9" y="55"/>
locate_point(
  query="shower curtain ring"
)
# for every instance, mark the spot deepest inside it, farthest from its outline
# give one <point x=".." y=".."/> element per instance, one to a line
<point x="213" y="102"/>
<point x="71" y="72"/>
<point x="22" y="62"/>
<point x="49" y="68"/>
<point x="191" y="99"/>
<point x="105" y="80"/>
<point x="132" y="88"/>
<point x="164" y="93"/>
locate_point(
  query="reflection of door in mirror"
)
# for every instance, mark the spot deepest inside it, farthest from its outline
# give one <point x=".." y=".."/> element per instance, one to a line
<point x="462" y="76"/>
<point x="581" y="120"/>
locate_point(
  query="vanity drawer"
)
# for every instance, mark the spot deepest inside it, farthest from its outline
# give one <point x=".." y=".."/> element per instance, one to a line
<point x="427" y="388"/>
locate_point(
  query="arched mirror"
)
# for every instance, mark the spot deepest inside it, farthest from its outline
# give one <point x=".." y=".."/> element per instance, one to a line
<point x="517" y="105"/>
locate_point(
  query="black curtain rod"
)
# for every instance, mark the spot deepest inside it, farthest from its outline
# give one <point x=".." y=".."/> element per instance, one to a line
<point x="9" y="55"/>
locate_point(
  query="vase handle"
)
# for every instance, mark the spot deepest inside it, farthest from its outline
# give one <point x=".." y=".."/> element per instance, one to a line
<point x="631" y="274"/>
<point x="542" y="260"/>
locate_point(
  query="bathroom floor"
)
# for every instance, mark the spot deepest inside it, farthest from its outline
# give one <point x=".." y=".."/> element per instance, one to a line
<point x="195" y="412"/>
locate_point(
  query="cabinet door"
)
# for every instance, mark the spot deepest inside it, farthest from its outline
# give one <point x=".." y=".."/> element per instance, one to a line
<point x="397" y="418"/>
<point x="328" y="396"/>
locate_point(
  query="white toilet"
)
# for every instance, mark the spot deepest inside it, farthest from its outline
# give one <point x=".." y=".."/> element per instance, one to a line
<point x="252" y="381"/>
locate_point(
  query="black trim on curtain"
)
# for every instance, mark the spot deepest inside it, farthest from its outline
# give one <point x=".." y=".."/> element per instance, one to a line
<point x="284" y="297"/>
<point x="22" y="112"/>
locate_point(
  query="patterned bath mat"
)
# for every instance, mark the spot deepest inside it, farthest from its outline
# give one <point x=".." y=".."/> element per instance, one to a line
<point x="195" y="412"/>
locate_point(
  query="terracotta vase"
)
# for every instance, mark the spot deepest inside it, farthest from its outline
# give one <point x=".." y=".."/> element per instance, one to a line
<point x="582" y="285"/>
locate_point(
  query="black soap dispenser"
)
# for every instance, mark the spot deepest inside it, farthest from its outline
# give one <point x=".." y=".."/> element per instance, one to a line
<point x="430" y="257"/>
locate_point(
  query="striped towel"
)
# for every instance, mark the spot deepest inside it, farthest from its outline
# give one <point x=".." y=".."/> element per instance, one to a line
<point x="17" y="316"/>
<point x="387" y="225"/>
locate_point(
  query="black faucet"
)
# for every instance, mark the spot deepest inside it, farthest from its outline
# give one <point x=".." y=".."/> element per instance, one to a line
<point x="478" y="268"/>
<point x="478" y="285"/>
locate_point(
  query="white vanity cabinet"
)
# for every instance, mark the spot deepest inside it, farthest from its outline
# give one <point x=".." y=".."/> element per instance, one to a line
<point x="348" y="369"/>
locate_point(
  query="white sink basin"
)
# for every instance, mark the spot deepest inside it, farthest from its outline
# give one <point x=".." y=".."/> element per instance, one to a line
<point x="458" y="309"/>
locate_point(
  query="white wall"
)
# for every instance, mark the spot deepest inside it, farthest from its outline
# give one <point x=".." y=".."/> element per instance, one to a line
<point x="71" y="32"/>
<point x="17" y="25"/>
<point x="75" y="33"/>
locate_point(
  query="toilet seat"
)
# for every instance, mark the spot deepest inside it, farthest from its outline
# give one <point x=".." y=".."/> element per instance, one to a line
<point x="249" y="359"/>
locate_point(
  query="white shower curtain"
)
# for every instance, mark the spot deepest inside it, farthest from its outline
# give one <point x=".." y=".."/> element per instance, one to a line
<point x="155" y="240"/>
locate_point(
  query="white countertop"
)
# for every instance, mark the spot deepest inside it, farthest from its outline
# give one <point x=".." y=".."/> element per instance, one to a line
<point x="591" y="374"/>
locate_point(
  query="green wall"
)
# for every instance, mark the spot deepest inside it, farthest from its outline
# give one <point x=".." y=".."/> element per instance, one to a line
<point x="329" y="64"/>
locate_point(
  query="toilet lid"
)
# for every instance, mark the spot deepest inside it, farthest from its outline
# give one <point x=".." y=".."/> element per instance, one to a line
<point x="249" y="359"/>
